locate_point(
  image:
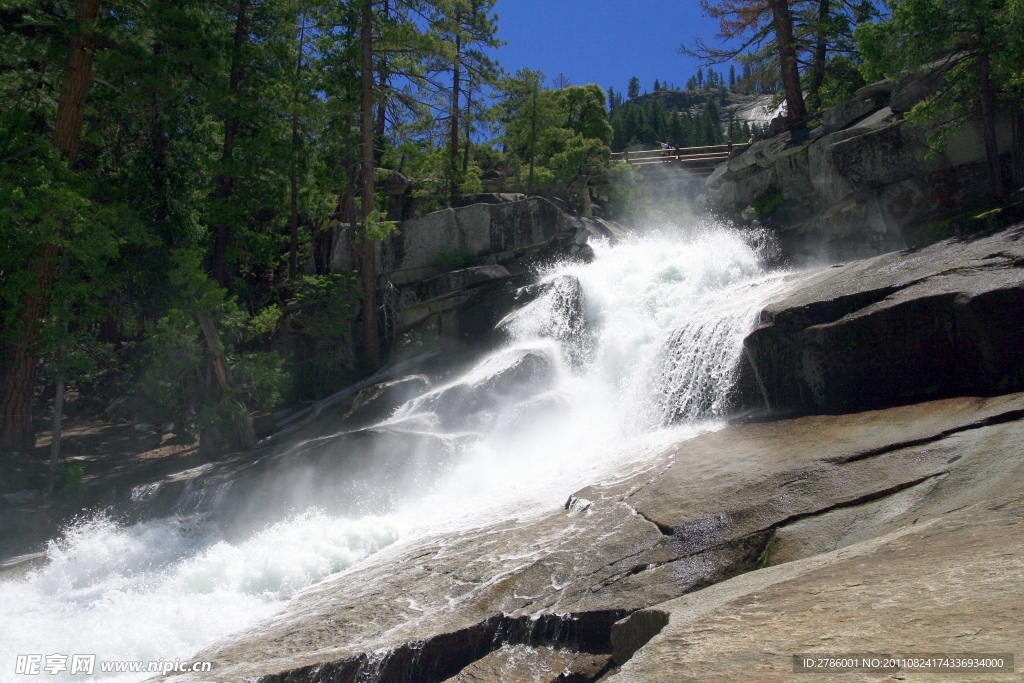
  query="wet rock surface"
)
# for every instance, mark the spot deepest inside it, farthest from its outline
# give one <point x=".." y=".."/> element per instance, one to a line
<point x="706" y="511"/>
<point x="948" y="585"/>
<point x="906" y="326"/>
<point x="478" y="402"/>
<point x="524" y="664"/>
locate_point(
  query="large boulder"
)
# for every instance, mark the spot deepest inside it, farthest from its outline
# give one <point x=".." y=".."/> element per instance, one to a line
<point x="916" y="87"/>
<point x="453" y="273"/>
<point x="490" y="198"/>
<point x="556" y="309"/>
<point x="906" y="326"/>
<point x="882" y="88"/>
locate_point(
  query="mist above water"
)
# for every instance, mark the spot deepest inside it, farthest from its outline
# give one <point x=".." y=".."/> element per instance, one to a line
<point x="613" y="361"/>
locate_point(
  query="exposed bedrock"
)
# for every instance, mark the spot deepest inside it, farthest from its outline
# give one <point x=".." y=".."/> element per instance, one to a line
<point x="865" y="181"/>
<point x="947" y="585"/>
<point x="544" y="591"/>
<point x="907" y="326"/>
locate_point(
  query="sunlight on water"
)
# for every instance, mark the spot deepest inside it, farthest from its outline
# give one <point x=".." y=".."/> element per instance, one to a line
<point x="612" y="362"/>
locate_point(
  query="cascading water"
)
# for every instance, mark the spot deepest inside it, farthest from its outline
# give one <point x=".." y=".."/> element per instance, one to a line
<point x="612" y="360"/>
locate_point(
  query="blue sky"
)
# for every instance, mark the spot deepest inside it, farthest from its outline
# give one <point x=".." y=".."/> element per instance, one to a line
<point x="602" y="41"/>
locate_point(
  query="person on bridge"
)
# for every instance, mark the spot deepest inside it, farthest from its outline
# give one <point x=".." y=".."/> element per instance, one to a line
<point x="665" y="148"/>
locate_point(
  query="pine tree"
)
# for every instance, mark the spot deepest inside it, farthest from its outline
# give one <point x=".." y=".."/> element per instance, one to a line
<point x="470" y="29"/>
<point x="758" y="22"/>
<point x="982" y="61"/>
<point x="633" y="89"/>
<point x="18" y="366"/>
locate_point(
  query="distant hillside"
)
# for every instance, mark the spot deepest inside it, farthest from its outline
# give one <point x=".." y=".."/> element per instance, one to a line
<point x="706" y="117"/>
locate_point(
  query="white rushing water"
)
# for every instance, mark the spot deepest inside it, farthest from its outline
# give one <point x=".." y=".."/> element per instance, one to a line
<point x="571" y="399"/>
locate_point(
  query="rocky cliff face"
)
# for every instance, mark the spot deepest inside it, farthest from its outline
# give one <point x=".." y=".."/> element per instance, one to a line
<point x="861" y="183"/>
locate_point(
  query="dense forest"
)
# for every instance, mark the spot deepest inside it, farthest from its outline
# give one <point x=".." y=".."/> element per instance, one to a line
<point x="658" y="118"/>
<point x="170" y="168"/>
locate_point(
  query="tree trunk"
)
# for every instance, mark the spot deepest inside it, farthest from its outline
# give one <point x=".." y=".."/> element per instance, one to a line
<point x="58" y="402"/>
<point x="231" y="122"/>
<point x="71" y="109"/>
<point x="453" y="164"/>
<point x="369" y="250"/>
<point x="469" y="123"/>
<point x="1018" y="144"/>
<point x="58" y="423"/>
<point x="159" y="143"/>
<point x="820" y="48"/>
<point x="293" y="174"/>
<point x="382" y="110"/>
<point x="986" y="93"/>
<point x="293" y="220"/>
<point x="19" y="358"/>
<point x="782" y="21"/>
<point x="245" y="435"/>
<point x="533" y="141"/>
<point x="18" y="363"/>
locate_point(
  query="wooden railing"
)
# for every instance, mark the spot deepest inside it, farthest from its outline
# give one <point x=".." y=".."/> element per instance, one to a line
<point x="697" y="159"/>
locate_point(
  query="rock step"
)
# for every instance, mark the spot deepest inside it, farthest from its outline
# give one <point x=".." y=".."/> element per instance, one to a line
<point x="445" y="655"/>
<point x="903" y="327"/>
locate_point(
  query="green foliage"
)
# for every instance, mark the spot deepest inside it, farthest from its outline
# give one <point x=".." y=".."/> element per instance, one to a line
<point x="625" y="190"/>
<point x="647" y="122"/>
<point x="376" y="228"/>
<point x="763" y="560"/>
<point x="957" y="39"/>
<point x="84" y="358"/>
<point x="322" y="314"/>
<point x="178" y="376"/>
<point x="469" y="180"/>
<point x="768" y="201"/>
<point x="447" y="260"/>
<point x="69" y="479"/>
<point x="562" y="136"/>
<point x="842" y="79"/>
<point x="265" y="323"/>
<point x="633" y="88"/>
<point x="18" y="474"/>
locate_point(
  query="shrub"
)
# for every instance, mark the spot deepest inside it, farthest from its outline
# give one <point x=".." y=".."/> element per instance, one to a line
<point x="181" y="369"/>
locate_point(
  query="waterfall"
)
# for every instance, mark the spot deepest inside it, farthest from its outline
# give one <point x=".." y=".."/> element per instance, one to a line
<point x="609" y="362"/>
